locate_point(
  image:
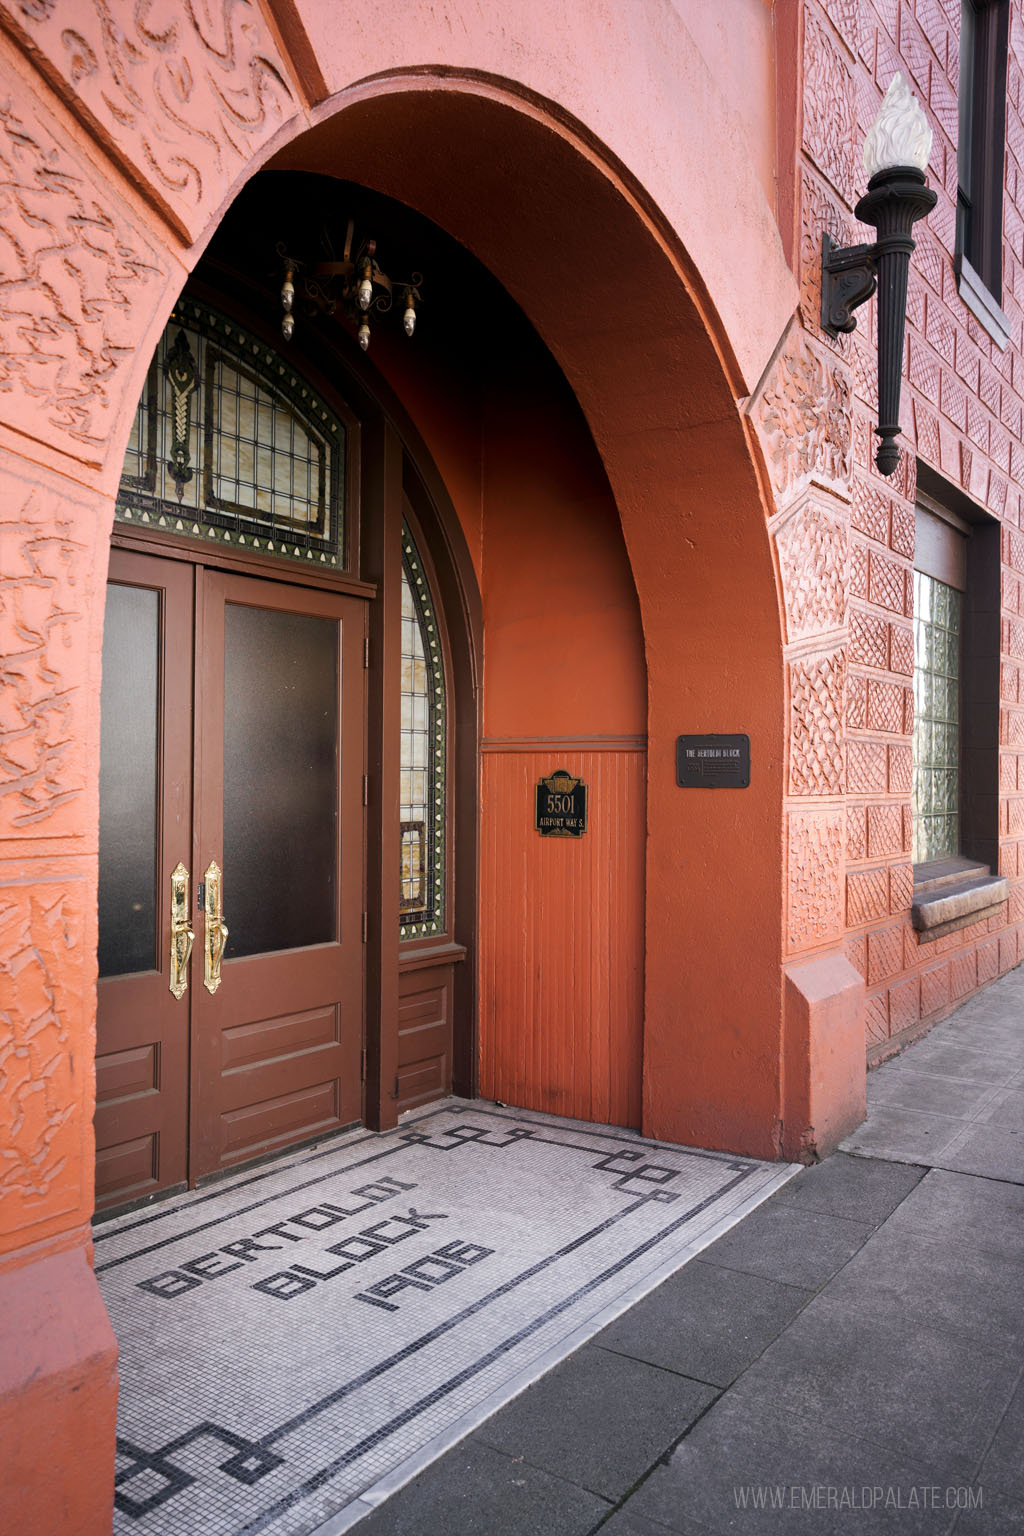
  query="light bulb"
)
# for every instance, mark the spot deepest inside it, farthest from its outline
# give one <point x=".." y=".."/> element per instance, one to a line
<point x="287" y="326"/>
<point x="409" y="318"/>
<point x="364" y="335"/>
<point x="364" y="292"/>
<point x="287" y="292"/>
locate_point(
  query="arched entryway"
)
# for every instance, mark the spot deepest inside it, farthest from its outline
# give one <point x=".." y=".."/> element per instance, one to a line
<point x="283" y="788"/>
<point x="611" y="243"/>
<point x="322" y="706"/>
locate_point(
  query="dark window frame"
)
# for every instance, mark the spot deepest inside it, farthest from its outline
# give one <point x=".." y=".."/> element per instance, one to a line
<point x="978" y="536"/>
<point x="981" y="161"/>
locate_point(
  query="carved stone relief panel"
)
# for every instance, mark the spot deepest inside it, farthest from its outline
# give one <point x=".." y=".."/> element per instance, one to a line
<point x="47" y="969"/>
<point x="183" y="95"/>
<point x="830" y="108"/>
<point x="816" y="725"/>
<point x="75" y="274"/>
<point x="815" y="878"/>
<point x="48" y="608"/>
<point x="812" y="545"/>
<point x="803" y="417"/>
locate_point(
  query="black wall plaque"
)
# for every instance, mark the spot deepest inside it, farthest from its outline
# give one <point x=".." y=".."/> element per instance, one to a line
<point x="561" y="806"/>
<point x="713" y="762"/>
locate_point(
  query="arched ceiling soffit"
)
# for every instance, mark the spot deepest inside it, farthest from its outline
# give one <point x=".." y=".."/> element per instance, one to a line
<point x="630" y="87"/>
<point x="605" y="289"/>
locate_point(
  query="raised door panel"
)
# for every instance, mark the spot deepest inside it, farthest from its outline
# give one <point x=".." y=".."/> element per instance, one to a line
<point x="145" y="812"/>
<point x="277" y="1043"/>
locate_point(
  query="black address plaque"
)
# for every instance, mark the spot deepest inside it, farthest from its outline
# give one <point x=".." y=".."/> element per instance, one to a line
<point x="561" y="806"/>
<point x="713" y="762"/>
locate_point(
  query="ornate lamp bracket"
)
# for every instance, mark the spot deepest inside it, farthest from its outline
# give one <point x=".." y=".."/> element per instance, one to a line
<point x="848" y="279"/>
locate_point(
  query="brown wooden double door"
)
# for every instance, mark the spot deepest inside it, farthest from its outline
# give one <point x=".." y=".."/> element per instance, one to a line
<point x="233" y="731"/>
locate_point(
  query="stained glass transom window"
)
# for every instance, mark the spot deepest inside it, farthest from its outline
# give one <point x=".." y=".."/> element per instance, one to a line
<point x="230" y="443"/>
<point x="937" y="627"/>
<point x="423" y="754"/>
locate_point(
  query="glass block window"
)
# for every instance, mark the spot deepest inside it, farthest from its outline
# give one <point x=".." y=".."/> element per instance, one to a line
<point x="229" y="443"/>
<point x="423" y="754"/>
<point x="936" y="795"/>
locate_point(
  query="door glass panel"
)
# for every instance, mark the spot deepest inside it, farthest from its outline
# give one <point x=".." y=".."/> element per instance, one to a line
<point x="280" y="779"/>
<point x="128" y="781"/>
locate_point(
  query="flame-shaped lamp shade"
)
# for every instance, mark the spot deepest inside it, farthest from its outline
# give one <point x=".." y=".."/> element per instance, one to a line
<point x="895" y="156"/>
<point x="900" y="134"/>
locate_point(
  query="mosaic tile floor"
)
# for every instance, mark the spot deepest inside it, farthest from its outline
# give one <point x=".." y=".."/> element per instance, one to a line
<point x="299" y="1340"/>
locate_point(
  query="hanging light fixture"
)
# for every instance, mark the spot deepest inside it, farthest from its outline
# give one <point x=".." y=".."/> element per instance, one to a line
<point x="896" y="153"/>
<point x="356" y="285"/>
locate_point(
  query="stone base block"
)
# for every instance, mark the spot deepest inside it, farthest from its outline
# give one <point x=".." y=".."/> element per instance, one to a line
<point x="825" y="1069"/>
<point x="58" y="1399"/>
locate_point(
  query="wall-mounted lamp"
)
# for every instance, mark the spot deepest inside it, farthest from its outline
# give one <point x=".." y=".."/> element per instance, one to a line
<point x="356" y="284"/>
<point x="896" y="154"/>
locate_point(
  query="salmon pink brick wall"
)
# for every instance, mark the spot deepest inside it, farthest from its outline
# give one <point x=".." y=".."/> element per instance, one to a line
<point x="961" y="415"/>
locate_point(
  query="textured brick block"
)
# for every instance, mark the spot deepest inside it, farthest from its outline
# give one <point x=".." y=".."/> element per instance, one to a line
<point x="867" y="896"/>
<point x="934" y="990"/>
<point x="885" y="953"/>
<point x="901" y="887"/>
<point x="856" y="702"/>
<point x="856" y="832"/>
<point x="904" y="1004"/>
<point x="901" y="770"/>
<point x="869" y="639"/>
<point x="885" y="707"/>
<point x="988" y="961"/>
<point x="963" y="973"/>
<point x="885" y="826"/>
<point x="876" y="1019"/>
<point x="866" y="767"/>
<point x="869" y="511"/>
<point x="901" y="649"/>
<point x="859" y="560"/>
<point x="886" y="583"/>
<point x="857" y="952"/>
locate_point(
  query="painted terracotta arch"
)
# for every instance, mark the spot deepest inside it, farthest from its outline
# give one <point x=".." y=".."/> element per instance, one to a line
<point x="611" y="297"/>
<point x="656" y="347"/>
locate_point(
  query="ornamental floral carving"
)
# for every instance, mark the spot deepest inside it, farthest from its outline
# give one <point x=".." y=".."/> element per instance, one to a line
<point x="815" y="882"/>
<point x="812" y="546"/>
<point x="182" y="92"/>
<point x="41" y="1113"/>
<point x="830" y="109"/>
<point x="73" y="268"/>
<point x="804" y="418"/>
<point x="44" y="593"/>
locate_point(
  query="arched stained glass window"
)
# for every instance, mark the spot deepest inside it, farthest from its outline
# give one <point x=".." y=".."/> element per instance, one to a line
<point x="230" y="443"/>
<point x="423" y="754"/>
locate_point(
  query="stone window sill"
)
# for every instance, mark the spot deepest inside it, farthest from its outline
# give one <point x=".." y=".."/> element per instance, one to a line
<point x="953" y="893"/>
<point x="981" y="304"/>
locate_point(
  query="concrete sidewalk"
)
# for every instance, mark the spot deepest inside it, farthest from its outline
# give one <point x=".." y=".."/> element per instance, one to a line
<point x="848" y="1358"/>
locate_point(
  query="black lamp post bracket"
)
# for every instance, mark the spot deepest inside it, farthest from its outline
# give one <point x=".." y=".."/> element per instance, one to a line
<point x="848" y="280"/>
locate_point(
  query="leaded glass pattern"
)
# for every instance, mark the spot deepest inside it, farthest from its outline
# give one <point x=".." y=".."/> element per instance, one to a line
<point x="230" y="443"/>
<point x="936" y="796"/>
<point x="423" y="754"/>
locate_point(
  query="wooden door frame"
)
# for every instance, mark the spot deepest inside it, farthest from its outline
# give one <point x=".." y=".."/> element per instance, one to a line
<point x="390" y="461"/>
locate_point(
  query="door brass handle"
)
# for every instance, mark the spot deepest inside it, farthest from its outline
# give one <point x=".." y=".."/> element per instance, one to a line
<point x="182" y="937"/>
<point x="216" y="929"/>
